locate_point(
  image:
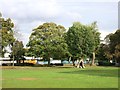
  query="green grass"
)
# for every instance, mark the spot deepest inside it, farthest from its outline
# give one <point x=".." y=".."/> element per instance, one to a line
<point x="56" y="77"/>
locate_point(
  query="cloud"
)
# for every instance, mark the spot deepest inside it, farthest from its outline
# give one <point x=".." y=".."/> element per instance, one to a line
<point x="28" y="14"/>
<point x="27" y="9"/>
<point x="72" y="1"/>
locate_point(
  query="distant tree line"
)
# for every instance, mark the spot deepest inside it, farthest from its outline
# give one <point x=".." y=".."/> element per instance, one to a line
<point x="50" y="40"/>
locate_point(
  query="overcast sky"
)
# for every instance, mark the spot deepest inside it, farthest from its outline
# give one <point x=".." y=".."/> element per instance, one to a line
<point x="28" y="14"/>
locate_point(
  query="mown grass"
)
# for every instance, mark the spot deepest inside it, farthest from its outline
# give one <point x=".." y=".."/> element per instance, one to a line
<point x="59" y="77"/>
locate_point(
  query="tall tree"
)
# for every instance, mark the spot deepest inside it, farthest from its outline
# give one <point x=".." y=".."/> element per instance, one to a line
<point x="7" y="34"/>
<point x="47" y="41"/>
<point x="107" y="49"/>
<point x="112" y="46"/>
<point x="80" y="40"/>
<point x="96" y="41"/>
<point x="115" y="45"/>
<point x="18" y="51"/>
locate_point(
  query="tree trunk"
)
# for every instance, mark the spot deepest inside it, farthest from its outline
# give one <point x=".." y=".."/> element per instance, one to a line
<point x="73" y="61"/>
<point x="93" y="59"/>
<point x="13" y="60"/>
<point x="69" y="59"/>
<point x="23" y="62"/>
<point x="17" y="61"/>
<point x="48" y="61"/>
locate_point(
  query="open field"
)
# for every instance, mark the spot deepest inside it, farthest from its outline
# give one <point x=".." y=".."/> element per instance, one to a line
<point x="60" y="77"/>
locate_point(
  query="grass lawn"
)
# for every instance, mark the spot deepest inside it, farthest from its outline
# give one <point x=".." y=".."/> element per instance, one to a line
<point x="60" y="77"/>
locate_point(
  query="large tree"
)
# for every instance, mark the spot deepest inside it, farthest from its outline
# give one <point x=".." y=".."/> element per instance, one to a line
<point x="96" y="41"/>
<point x="47" y="41"/>
<point x="18" y="51"/>
<point x="7" y="35"/>
<point x="111" y="48"/>
<point x="115" y="45"/>
<point x="107" y="49"/>
<point x="80" y="41"/>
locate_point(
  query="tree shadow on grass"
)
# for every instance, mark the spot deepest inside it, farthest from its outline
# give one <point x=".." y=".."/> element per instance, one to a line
<point x="102" y="73"/>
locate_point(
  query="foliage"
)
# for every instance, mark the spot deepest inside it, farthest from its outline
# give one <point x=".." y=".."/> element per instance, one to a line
<point x="47" y="41"/>
<point x="6" y="34"/>
<point x="96" y="41"/>
<point x="96" y="35"/>
<point x="115" y="45"/>
<point x="107" y="39"/>
<point x="80" y="40"/>
<point x="18" y="51"/>
<point x="102" y="52"/>
<point x="111" y="49"/>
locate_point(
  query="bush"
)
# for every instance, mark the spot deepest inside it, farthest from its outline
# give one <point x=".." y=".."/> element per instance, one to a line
<point x="105" y="63"/>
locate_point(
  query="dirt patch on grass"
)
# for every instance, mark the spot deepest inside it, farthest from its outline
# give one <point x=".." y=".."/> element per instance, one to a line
<point x="27" y="78"/>
<point x="59" y="78"/>
<point x="1" y="79"/>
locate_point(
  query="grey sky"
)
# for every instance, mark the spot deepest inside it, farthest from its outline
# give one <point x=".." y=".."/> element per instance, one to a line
<point x="28" y="14"/>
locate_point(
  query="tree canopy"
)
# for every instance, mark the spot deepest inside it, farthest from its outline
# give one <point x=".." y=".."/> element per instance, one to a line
<point x="111" y="49"/>
<point x="115" y="45"/>
<point x="48" y="41"/>
<point x="96" y="41"/>
<point x="18" y="51"/>
<point x="80" y="40"/>
<point x="7" y="34"/>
